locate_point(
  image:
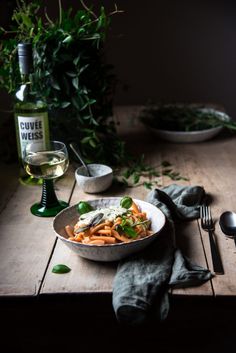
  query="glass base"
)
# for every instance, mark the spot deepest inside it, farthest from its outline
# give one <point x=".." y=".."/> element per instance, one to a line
<point x="29" y="180"/>
<point x="41" y="211"/>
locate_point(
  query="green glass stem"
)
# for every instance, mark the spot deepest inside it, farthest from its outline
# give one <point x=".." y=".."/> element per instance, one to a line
<point x="49" y="206"/>
<point x="49" y="198"/>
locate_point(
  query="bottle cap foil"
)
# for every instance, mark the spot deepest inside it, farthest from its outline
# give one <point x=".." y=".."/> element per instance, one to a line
<point x="25" y="54"/>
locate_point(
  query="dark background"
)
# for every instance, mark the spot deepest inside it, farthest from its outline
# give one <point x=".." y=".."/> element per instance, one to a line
<point x="167" y="50"/>
<point x="176" y="51"/>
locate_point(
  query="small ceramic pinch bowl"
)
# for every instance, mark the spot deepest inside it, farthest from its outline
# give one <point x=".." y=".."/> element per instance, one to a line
<point x="99" y="181"/>
<point x="108" y="252"/>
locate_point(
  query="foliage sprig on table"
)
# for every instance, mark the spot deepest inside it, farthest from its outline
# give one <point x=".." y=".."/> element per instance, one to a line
<point x="70" y="72"/>
<point x="139" y="173"/>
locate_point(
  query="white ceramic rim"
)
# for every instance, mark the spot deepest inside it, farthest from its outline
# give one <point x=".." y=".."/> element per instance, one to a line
<point x="110" y="171"/>
<point x="223" y="115"/>
<point x="187" y="133"/>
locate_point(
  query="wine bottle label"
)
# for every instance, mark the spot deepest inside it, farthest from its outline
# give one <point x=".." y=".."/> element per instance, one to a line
<point x="31" y="129"/>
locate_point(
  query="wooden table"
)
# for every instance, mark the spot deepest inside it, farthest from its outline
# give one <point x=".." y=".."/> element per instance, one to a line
<point x="29" y="248"/>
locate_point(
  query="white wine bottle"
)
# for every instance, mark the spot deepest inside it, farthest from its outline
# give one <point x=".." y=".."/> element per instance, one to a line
<point x="31" y="113"/>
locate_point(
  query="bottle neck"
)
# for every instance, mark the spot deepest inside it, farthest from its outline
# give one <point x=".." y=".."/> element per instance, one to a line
<point x="25" y="56"/>
<point x="26" y="90"/>
<point x="26" y="79"/>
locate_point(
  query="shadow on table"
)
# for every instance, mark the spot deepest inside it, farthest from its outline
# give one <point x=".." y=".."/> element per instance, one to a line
<point x="87" y="324"/>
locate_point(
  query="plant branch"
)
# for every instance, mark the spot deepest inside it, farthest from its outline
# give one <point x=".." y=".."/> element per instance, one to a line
<point x="88" y="9"/>
<point x="47" y="17"/>
<point x="115" y="11"/>
<point x="60" y="11"/>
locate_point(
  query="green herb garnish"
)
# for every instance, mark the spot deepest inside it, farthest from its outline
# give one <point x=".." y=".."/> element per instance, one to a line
<point x="60" y="268"/>
<point x="126" y="227"/>
<point x="129" y="231"/>
<point x="126" y="202"/>
<point x="83" y="207"/>
<point x="138" y="173"/>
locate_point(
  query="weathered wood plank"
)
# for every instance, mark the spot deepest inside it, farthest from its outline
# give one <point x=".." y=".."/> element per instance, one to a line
<point x="85" y="276"/>
<point x="88" y="276"/>
<point x="187" y="233"/>
<point x="8" y="182"/>
<point x="26" y="241"/>
<point x="212" y="166"/>
<point x="84" y="272"/>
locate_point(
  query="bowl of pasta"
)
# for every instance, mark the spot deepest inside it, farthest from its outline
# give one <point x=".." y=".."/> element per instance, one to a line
<point x="109" y="229"/>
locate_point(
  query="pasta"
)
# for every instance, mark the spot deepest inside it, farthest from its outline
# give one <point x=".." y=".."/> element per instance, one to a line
<point x="117" y="226"/>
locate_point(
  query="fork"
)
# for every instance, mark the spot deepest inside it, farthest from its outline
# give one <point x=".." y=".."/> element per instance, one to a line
<point x="208" y="225"/>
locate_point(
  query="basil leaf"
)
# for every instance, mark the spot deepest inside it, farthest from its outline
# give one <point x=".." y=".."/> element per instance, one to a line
<point x="147" y="185"/>
<point x="60" y="268"/>
<point x="83" y="207"/>
<point x="136" y="178"/>
<point x="126" y="202"/>
<point x="129" y="231"/>
<point x="165" y="164"/>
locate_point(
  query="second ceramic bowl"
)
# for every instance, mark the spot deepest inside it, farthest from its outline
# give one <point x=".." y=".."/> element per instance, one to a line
<point x="100" y="180"/>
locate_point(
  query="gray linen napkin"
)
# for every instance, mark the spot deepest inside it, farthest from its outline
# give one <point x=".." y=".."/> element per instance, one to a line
<point x="142" y="281"/>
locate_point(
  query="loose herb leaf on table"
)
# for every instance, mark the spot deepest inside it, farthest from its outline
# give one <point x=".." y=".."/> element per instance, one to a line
<point x="139" y="173"/>
<point x="61" y="268"/>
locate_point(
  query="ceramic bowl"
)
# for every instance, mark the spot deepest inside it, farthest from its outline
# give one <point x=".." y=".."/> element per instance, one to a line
<point x="186" y="136"/>
<point x="111" y="252"/>
<point x="100" y="180"/>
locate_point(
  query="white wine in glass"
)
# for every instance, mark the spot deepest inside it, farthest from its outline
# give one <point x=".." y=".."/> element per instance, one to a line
<point x="49" y="163"/>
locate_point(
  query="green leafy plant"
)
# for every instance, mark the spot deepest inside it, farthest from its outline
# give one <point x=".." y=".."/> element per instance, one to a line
<point x="70" y="72"/>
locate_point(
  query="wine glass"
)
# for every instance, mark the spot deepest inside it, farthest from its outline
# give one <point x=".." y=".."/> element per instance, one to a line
<point x="47" y="163"/>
